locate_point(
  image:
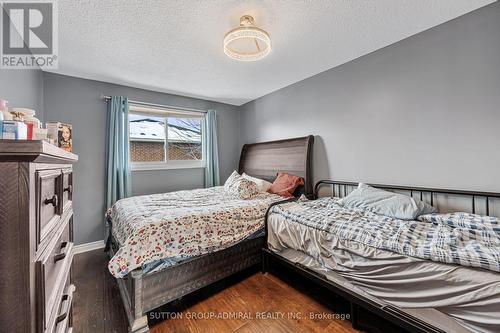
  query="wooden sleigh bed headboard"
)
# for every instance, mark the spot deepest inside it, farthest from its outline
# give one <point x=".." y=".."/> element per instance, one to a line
<point x="265" y="159"/>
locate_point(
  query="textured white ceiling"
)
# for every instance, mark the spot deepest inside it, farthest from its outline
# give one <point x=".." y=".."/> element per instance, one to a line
<point x="176" y="46"/>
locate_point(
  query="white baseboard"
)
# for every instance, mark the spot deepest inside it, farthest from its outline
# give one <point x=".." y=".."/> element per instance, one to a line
<point x="89" y="246"/>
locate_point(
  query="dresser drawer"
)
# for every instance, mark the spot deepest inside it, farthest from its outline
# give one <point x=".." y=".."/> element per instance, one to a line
<point x="67" y="180"/>
<point x="53" y="273"/>
<point x="63" y="320"/>
<point x="48" y="200"/>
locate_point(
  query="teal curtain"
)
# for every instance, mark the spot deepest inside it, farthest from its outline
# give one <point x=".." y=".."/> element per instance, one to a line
<point x="117" y="152"/>
<point x="211" y="150"/>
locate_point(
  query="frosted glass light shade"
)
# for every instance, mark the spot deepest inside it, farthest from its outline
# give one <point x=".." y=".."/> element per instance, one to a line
<point x="247" y="42"/>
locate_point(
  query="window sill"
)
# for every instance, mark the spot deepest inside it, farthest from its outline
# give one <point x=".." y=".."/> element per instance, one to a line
<point x="165" y="166"/>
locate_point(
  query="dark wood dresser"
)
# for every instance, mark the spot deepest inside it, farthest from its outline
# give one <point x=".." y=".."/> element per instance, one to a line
<point x="36" y="237"/>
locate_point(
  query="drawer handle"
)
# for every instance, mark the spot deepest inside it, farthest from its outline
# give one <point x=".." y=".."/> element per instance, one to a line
<point x="63" y="315"/>
<point x="52" y="200"/>
<point x="68" y="298"/>
<point x="62" y="254"/>
<point x="69" y="189"/>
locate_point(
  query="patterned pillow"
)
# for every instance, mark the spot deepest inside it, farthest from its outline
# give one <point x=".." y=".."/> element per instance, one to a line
<point x="262" y="184"/>
<point x="242" y="188"/>
<point x="231" y="180"/>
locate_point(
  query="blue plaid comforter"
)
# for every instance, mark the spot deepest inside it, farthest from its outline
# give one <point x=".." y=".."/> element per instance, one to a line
<point x="457" y="238"/>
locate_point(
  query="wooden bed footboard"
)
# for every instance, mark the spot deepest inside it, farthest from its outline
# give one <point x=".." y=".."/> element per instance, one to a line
<point x="131" y="292"/>
<point x="142" y="293"/>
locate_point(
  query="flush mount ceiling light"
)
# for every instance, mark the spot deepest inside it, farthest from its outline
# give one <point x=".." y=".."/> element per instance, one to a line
<point x="247" y="42"/>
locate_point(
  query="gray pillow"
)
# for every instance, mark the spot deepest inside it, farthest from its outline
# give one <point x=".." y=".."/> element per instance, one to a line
<point x="385" y="203"/>
<point x="425" y="208"/>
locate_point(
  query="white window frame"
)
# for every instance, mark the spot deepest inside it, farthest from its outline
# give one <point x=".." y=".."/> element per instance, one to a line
<point x="168" y="164"/>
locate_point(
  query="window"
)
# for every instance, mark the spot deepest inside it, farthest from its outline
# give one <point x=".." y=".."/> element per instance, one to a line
<point x="165" y="139"/>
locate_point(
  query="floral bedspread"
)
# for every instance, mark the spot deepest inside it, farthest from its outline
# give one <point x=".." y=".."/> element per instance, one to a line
<point x="181" y="224"/>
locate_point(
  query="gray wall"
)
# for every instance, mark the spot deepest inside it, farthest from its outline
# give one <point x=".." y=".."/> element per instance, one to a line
<point x="22" y="88"/>
<point x="424" y="111"/>
<point x="77" y="101"/>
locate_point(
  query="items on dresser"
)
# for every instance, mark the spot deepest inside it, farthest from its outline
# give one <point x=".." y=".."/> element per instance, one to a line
<point x="4" y="110"/>
<point x="13" y="123"/>
<point x="14" y="130"/>
<point x="39" y="134"/>
<point x="7" y="115"/>
<point x="3" y="105"/>
<point x="28" y="117"/>
<point x="36" y="237"/>
<point x="27" y="130"/>
<point x="60" y="134"/>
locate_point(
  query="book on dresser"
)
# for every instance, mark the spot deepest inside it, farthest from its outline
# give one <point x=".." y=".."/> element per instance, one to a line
<point x="36" y="237"/>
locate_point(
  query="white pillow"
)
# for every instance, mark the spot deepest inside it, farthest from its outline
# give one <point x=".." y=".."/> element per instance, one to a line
<point x="262" y="184"/>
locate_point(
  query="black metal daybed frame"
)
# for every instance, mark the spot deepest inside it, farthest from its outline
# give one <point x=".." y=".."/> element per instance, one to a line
<point x="357" y="302"/>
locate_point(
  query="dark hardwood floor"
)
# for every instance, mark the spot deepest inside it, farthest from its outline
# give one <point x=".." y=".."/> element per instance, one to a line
<point x="248" y="302"/>
<point x="97" y="305"/>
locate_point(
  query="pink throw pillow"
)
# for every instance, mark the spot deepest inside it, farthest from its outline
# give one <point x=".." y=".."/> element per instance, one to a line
<point x="285" y="184"/>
